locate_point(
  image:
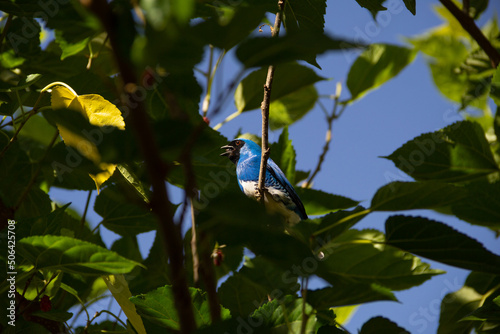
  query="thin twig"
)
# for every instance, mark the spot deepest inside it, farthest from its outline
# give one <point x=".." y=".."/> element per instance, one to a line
<point x="329" y="120"/>
<point x="82" y="221"/>
<point x="207" y="274"/>
<point x="470" y="26"/>
<point x="265" y="108"/>
<point x="194" y="248"/>
<point x="465" y="7"/>
<point x="305" y="317"/>
<point x="206" y="100"/>
<point x="156" y="169"/>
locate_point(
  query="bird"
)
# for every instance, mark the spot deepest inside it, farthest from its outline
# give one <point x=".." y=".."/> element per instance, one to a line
<point x="281" y="196"/>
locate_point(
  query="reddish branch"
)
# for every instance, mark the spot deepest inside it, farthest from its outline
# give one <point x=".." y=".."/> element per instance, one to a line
<point x="265" y="108"/>
<point x="160" y="205"/>
<point x="470" y="26"/>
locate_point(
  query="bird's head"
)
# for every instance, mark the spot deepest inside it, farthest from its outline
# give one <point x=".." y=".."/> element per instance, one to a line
<point x="240" y="147"/>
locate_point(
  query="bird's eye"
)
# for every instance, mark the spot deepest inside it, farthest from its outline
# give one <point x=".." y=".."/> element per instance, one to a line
<point x="238" y="143"/>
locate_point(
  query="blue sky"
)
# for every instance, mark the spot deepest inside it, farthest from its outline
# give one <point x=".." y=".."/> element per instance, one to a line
<point x="375" y="126"/>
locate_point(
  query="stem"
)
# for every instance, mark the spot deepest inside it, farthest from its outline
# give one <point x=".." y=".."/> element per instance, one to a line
<point x="305" y="317"/>
<point x="227" y="119"/>
<point x="465" y="7"/>
<point x="470" y="26"/>
<point x="210" y="78"/>
<point x="155" y="167"/>
<point x="265" y="108"/>
<point x="206" y="100"/>
<point x="207" y="274"/>
<point x="194" y="249"/>
<point x="82" y="221"/>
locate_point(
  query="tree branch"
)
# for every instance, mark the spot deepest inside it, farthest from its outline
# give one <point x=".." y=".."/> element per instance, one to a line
<point x="157" y="170"/>
<point x="265" y="108"/>
<point x="470" y="26"/>
<point x="329" y="120"/>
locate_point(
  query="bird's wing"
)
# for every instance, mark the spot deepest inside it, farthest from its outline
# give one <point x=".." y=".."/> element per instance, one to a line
<point x="278" y="175"/>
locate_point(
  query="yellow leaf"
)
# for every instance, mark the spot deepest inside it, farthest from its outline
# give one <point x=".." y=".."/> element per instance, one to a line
<point x="99" y="112"/>
<point x="100" y="178"/>
<point x="119" y="288"/>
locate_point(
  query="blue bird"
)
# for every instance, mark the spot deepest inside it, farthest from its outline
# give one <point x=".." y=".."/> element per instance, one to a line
<point x="281" y="196"/>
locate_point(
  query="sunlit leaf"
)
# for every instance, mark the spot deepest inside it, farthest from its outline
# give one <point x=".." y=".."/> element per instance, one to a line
<point x="98" y="112"/>
<point x="291" y="108"/>
<point x="118" y="286"/>
<point x="375" y="66"/>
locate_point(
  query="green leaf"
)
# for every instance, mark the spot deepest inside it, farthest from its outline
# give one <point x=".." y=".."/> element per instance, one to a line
<point x="284" y="315"/>
<point x="361" y="256"/>
<point x="72" y="256"/>
<point x="156" y="272"/>
<point x="247" y="223"/>
<point x="444" y="48"/>
<point x="264" y="51"/>
<point x="375" y="66"/>
<point x="439" y="242"/>
<point x="68" y="48"/>
<point x="54" y="315"/>
<point x="454" y="307"/>
<point x="253" y="284"/>
<point x="16" y="164"/>
<point x="36" y="203"/>
<point x="477" y="7"/>
<point x="121" y="216"/>
<point x="284" y="155"/>
<point x="317" y="202"/>
<point x="334" y="224"/>
<point x="289" y="78"/>
<point x="374" y="6"/>
<point x="397" y="196"/>
<point x="381" y="325"/>
<point x="456" y="153"/>
<point x="291" y="108"/>
<point x="347" y="294"/>
<point x="158" y="307"/>
<point x="411" y="6"/>
<point x="482" y="206"/>
<point x="495" y="87"/>
<point x="304" y="16"/>
<point x="226" y="33"/>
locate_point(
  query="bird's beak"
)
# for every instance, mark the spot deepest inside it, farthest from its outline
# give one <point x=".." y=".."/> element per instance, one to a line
<point x="229" y="149"/>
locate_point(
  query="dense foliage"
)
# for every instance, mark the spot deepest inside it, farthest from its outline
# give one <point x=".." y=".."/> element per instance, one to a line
<point x="102" y="96"/>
